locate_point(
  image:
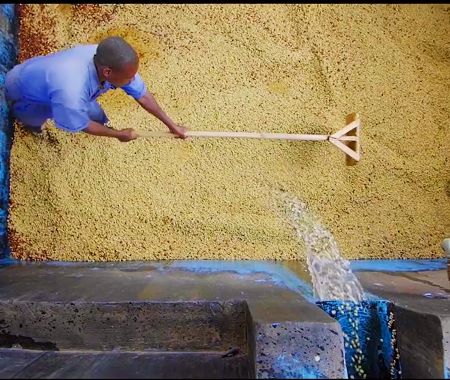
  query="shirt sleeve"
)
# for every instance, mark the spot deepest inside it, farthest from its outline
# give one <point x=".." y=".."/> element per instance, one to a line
<point x="136" y="88"/>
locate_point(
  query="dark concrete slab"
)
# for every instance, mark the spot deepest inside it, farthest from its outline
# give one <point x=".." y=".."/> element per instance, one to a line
<point x="422" y="316"/>
<point x="299" y="351"/>
<point x="128" y="326"/>
<point x="421" y="286"/>
<point x="274" y="295"/>
<point x="273" y="292"/>
<point x="149" y="281"/>
<point x="15" y="360"/>
<point x="277" y="294"/>
<point x="113" y="365"/>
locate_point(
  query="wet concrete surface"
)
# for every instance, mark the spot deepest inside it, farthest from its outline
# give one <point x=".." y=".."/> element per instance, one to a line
<point x="147" y="281"/>
<point x="423" y="291"/>
<point x="284" y="330"/>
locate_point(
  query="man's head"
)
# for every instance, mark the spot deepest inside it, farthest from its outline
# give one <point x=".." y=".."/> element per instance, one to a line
<point x="117" y="62"/>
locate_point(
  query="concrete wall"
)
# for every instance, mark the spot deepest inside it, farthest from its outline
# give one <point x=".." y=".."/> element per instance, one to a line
<point x="126" y="326"/>
<point x="8" y="54"/>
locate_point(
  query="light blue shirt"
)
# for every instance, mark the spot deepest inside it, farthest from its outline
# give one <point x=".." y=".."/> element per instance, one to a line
<point x="67" y="81"/>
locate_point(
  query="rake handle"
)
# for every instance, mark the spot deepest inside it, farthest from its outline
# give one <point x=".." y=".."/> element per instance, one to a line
<point x="245" y="135"/>
<point x="346" y="139"/>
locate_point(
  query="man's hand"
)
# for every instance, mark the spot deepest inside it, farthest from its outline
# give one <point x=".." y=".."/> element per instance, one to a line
<point x="148" y="102"/>
<point x="179" y="131"/>
<point x="122" y="135"/>
<point x="127" y="134"/>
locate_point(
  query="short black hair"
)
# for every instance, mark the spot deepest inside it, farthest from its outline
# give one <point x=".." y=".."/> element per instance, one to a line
<point x="115" y="52"/>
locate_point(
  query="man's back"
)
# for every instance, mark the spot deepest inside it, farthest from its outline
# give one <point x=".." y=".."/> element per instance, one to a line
<point x="40" y="76"/>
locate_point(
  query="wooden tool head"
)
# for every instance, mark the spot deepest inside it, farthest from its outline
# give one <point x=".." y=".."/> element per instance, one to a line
<point x="347" y="139"/>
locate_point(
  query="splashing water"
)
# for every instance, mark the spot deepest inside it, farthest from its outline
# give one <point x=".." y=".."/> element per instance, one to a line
<point x="341" y="295"/>
<point x="331" y="274"/>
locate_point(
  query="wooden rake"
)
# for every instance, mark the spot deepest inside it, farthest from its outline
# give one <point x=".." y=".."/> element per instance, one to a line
<point x="346" y="139"/>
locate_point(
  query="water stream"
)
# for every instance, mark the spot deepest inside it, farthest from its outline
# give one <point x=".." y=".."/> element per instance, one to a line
<point x="368" y="327"/>
<point x="331" y="275"/>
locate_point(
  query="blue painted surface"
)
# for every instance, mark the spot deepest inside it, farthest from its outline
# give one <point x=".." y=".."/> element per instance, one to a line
<point x="8" y="11"/>
<point x="8" y="58"/>
<point x="5" y="261"/>
<point x="372" y="329"/>
<point x="7" y="51"/>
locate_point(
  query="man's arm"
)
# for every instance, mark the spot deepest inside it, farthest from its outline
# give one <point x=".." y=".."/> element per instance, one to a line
<point x="70" y="115"/>
<point x="98" y="129"/>
<point x="148" y="102"/>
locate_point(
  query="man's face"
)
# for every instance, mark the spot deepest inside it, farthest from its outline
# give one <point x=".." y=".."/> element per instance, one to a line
<point x="121" y="77"/>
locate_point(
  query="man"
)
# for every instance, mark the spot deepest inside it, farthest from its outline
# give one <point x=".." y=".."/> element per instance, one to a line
<point x="63" y="86"/>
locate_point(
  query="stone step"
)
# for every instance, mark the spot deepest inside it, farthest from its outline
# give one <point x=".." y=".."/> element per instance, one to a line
<point x="127" y="326"/>
<point x="35" y="364"/>
<point x="285" y="335"/>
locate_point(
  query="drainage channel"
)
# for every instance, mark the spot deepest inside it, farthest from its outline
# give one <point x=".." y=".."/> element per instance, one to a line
<point x="370" y="343"/>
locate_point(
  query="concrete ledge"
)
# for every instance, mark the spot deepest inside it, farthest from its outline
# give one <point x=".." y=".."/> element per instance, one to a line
<point x="299" y="350"/>
<point x="296" y="341"/>
<point x="283" y="334"/>
<point x="424" y="343"/>
<point x="26" y="364"/>
<point x="310" y="345"/>
<point x="421" y="307"/>
<point x="131" y="326"/>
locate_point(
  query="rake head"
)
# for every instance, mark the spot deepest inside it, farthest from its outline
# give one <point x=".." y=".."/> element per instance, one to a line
<point x="347" y="139"/>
